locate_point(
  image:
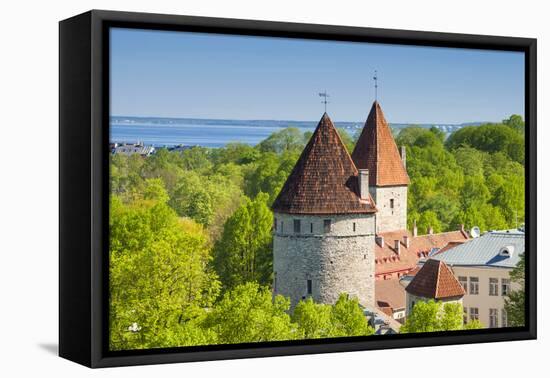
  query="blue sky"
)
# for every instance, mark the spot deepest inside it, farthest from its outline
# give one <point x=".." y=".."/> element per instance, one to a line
<point x="179" y="74"/>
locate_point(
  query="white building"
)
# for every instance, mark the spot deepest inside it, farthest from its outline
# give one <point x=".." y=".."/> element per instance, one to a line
<point x="482" y="266"/>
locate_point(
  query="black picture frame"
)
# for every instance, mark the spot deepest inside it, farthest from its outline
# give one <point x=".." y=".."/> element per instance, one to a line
<point x="84" y="186"/>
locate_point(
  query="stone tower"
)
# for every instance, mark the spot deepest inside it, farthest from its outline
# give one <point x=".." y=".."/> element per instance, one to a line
<point x="388" y="180"/>
<point x="323" y="242"/>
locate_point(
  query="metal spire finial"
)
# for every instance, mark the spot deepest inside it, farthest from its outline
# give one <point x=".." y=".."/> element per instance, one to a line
<point x="325" y="98"/>
<point x="375" y="85"/>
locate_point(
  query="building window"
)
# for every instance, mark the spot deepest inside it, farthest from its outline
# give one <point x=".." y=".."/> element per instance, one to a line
<point x="354" y="227"/>
<point x="493" y="286"/>
<point x="282" y="227"/>
<point x="464" y="282"/>
<point x="504" y="316"/>
<point x="327" y="226"/>
<point x="505" y="286"/>
<point x="474" y="313"/>
<point x="493" y="318"/>
<point x="465" y="315"/>
<point x="474" y="285"/>
<point x="392" y="203"/>
<point x="309" y="287"/>
<point x="297" y="226"/>
<point x="275" y="224"/>
<point x="311" y="228"/>
<point x="275" y="282"/>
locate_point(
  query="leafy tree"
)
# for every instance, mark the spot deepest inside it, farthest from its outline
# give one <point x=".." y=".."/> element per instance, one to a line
<point x="192" y="199"/>
<point x="510" y="198"/>
<point x="348" y="318"/>
<point x="249" y="313"/>
<point x="344" y="318"/>
<point x="196" y="159"/>
<point x="470" y="160"/>
<point x="515" y="122"/>
<point x="490" y="138"/>
<point x="426" y="220"/>
<point x="237" y="153"/>
<point x="244" y="252"/>
<point x="514" y="303"/>
<point x="289" y="139"/>
<point x="438" y="133"/>
<point x="474" y="192"/>
<point x="416" y="136"/>
<point x="314" y="320"/>
<point x="432" y="316"/>
<point x="270" y="174"/>
<point x="159" y="278"/>
<point x="347" y="139"/>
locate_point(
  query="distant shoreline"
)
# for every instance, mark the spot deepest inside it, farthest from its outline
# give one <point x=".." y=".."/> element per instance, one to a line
<point x="129" y="120"/>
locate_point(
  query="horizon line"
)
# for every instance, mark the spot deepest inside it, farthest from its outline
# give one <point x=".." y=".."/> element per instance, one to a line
<point x="290" y="120"/>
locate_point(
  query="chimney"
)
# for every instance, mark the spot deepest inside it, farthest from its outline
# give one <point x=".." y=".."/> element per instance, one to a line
<point x="397" y="246"/>
<point x="404" y="156"/>
<point x="380" y="241"/>
<point x="406" y="241"/>
<point x="430" y="230"/>
<point x="415" y="229"/>
<point x="363" y="184"/>
<point x="462" y="229"/>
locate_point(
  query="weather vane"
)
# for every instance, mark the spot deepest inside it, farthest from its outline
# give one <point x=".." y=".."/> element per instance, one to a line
<point x="325" y="98"/>
<point x="375" y="85"/>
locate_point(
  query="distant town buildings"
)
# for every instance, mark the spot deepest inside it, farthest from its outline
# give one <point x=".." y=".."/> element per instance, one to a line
<point x="132" y="149"/>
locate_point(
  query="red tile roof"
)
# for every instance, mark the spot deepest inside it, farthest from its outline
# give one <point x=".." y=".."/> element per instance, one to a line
<point x="324" y="180"/>
<point x="376" y="151"/>
<point x="435" y="280"/>
<point x="389" y="294"/>
<point x="387" y="260"/>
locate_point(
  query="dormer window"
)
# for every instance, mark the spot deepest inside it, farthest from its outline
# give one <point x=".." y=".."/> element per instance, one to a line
<point x="507" y="251"/>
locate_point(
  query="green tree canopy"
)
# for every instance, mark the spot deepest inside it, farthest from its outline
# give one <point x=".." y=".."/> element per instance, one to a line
<point x="249" y="313"/>
<point x="435" y="316"/>
<point x="288" y="139"/>
<point x="158" y="271"/>
<point x="490" y="138"/>
<point x="244" y="252"/>
<point x="344" y="318"/>
<point x="514" y="303"/>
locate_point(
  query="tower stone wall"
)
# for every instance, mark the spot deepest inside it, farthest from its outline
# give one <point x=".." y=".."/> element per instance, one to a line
<point x="337" y="261"/>
<point x="391" y="202"/>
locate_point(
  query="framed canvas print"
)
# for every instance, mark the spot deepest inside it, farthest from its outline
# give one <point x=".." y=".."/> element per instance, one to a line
<point x="234" y="188"/>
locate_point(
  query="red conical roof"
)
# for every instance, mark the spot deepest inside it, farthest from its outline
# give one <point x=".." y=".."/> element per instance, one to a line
<point x="324" y="179"/>
<point x="376" y="151"/>
<point x="435" y="280"/>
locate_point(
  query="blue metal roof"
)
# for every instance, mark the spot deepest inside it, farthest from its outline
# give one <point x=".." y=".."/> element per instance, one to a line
<point x="487" y="250"/>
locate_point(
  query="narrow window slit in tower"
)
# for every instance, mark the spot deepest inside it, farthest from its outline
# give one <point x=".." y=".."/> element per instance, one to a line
<point x="297" y="226"/>
<point x="327" y="226"/>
